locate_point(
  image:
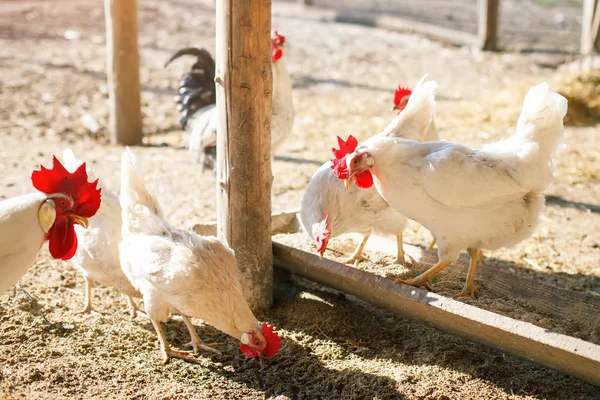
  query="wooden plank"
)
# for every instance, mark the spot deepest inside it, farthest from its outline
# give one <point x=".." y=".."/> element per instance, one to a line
<point x="282" y="222"/>
<point x="244" y="84"/>
<point x="572" y="356"/>
<point x="487" y="24"/>
<point x="433" y="32"/>
<point x="123" y="71"/>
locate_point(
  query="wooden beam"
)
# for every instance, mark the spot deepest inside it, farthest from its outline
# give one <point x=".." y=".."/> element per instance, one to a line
<point x="244" y="84"/>
<point x="487" y="29"/>
<point x="282" y="222"/>
<point x="590" y="28"/>
<point x="572" y="356"/>
<point x="123" y="72"/>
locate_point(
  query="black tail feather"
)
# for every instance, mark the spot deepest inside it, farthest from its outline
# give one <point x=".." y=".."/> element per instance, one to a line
<point x="197" y="87"/>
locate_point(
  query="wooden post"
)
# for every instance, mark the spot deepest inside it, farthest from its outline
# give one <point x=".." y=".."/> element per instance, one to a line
<point x="488" y="24"/>
<point x="123" y="72"/>
<point x="244" y="84"/>
<point x="590" y="27"/>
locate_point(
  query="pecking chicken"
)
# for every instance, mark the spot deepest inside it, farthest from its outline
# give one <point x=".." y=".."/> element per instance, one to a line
<point x="97" y="255"/>
<point x="469" y="199"/>
<point x="327" y="210"/>
<point x="26" y="222"/>
<point x="197" y="101"/>
<point x="178" y="271"/>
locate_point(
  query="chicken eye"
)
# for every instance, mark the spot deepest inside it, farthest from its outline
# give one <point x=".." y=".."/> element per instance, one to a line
<point x="63" y="204"/>
<point x="355" y="161"/>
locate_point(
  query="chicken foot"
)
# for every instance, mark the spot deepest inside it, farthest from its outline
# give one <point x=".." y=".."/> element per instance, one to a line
<point x="133" y="308"/>
<point x="357" y="257"/>
<point x="469" y="290"/>
<point x="87" y="293"/>
<point x="165" y="350"/>
<point x="422" y="280"/>
<point x="196" y="343"/>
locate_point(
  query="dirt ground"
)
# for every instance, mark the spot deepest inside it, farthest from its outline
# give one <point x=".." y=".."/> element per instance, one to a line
<point x="333" y="348"/>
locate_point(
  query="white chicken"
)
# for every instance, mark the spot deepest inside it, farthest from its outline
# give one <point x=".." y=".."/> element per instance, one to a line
<point x="469" y="199"/>
<point x="328" y="210"/>
<point x="178" y="271"/>
<point x="97" y="255"/>
<point x="26" y="222"/>
<point x="197" y="101"/>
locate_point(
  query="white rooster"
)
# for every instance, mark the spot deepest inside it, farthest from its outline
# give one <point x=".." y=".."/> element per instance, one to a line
<point x="469" y="199"/>
<point x="328" y="210"/>
<point x="197" y="101"/>
<point x="97" y="255"/>
<point x="178" y="271"/>
<point x="26" y="222"/>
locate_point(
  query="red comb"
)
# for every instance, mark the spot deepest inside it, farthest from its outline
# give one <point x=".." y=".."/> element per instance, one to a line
<point x="277" y="38"/>
<point x="400" y="93"/>
<point x="322" y="234"/>
<point x="339" y="167"/>
<point x="364" y="180"/>
<point x="85" y="195"/>
<point x="273" y="340"/>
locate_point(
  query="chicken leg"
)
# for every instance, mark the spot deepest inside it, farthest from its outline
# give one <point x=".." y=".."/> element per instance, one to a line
<point x="87" y="292"/>
<point x="357" y="257"/>
<point x="432" y="244"/>
<point x="166" y="350"/>
<point x="402" y="258"/>
<point x="422" y="279"/>
<point x="133" y="308"/>
<point x="196" y="343"/>
<point x="469" y="288"/>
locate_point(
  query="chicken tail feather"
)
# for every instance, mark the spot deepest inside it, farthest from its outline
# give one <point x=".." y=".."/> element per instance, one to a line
<point x="541" y="122"/>
<point x="141" y="211"/>
<point x="197" y="87"/>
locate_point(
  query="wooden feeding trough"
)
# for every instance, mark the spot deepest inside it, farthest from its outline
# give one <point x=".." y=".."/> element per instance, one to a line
<point x="567" y="354"/>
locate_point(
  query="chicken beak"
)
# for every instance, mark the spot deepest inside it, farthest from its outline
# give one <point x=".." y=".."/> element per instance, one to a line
<point x="321" y="255"/>
<point x="396" y="107"/>
<point x="348" y="182"/>
<point x="83" y="221"/>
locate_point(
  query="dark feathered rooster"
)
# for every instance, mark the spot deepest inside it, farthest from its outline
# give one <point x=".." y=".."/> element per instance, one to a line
<point x="196" y="101"/>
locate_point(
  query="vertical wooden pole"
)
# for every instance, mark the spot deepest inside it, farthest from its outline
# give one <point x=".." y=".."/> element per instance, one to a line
<point x="244" y="84"/>
<point x="487" y="30"/>
<point x="123" y="71"/>
<point x="590" y="28"/>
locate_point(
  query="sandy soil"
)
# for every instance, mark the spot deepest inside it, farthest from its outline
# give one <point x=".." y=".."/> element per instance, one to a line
<point x="333" y="348"/>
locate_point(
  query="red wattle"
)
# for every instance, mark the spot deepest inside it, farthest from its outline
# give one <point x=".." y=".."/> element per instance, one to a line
<point x="62" y="240"/>
<point x="364" y="180"/>
<point x="248" y="351"/>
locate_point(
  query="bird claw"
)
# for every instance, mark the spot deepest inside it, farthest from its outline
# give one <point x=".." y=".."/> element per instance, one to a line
<point x="133" y="312"/>
<point x="415" y="283"/>
<point x="468" y="291"/>
<point x="183" y="355"/>
<point x="89" y="310"/>
<point x="197" y="346"/>
<point x="354" y="259"/>
<point x="405" y="260"/>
